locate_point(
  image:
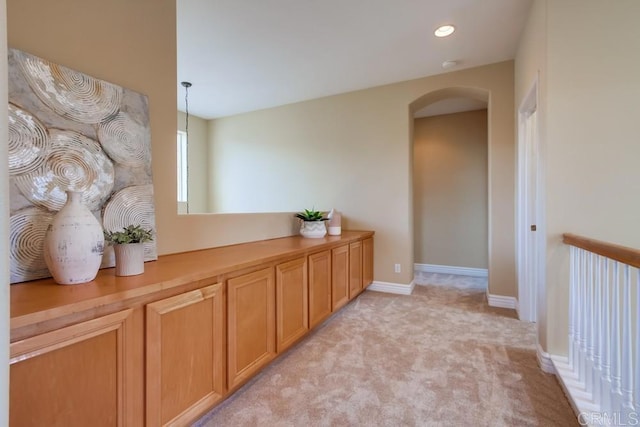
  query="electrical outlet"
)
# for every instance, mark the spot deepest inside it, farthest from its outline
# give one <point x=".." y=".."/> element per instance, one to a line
<point x="397" y="268"/>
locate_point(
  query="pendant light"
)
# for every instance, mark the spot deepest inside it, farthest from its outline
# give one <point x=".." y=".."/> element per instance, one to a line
<point x="186" y="86"/>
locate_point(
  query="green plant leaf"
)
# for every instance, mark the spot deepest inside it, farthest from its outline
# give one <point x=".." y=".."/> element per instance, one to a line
<point x="129" y="234"/>
<point x="310" y="215"/>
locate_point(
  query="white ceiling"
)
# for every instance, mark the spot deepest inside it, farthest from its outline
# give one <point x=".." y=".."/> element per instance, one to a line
<point x="245" y="55"/>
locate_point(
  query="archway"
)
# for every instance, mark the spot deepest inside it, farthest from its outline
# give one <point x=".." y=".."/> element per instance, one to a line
<point x="450" y="170"/>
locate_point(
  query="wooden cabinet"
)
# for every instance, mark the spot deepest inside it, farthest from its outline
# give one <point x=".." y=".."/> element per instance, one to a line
<point x="355" y="269"/>
<point x="319" y="287"/>
<point x="185" y="355"/>
<point x="339" y="277"/>
<point x="80" y="375"/>
<point x="163" y="347"/>
<point x="367" y="262"/>
<point x="251" y="320"/>
<point x="292" y="302"/>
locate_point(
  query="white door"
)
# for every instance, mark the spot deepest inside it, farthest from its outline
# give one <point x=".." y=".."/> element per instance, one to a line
<point x="528" y="209"/>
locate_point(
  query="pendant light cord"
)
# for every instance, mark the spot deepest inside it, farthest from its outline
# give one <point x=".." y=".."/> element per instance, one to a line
<point x="186" y="86"/>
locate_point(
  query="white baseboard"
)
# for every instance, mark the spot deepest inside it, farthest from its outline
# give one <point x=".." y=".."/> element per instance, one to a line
<point x="502" y="301"/>
<point x="392" y="288"/>
<point x="544" y="360"/>
<point x="575" y="390"/>
<point x="449" y="269"/>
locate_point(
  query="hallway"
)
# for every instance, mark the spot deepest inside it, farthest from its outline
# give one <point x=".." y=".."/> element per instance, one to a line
<point x="391" y="360"/>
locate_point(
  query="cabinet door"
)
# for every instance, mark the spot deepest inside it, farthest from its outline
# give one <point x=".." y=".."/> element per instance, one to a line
<point x="252" y="323"/>
<point x="292" y="302"/>
<point x="355" y="269"/>
<point x="80" y="375"/>
<point x="319" y="287"/>
<point x="339" y="276"/>
<point x="185" y="355"/>
<point x="367" y="262"/>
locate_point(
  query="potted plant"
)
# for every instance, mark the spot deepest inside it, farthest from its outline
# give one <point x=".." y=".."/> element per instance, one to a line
<point x="312" y="224"/>
<point x="128" y="248"/>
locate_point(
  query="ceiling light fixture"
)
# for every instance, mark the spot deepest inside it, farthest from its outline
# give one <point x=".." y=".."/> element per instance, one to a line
<point x="449" y="64"/>
<point x="444" y="30"/>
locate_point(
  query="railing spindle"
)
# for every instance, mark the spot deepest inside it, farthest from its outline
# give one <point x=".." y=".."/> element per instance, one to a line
<point x="626" y="368"/>
<point x="584" y="304"/>
<point x="615" y="341"/>
<point x="577" y="326"/>
<point x="599" y="322"/>
<point x="604" y="331"/>
<point x="573" y="305"/>
<point x="606" y="326"/>
<point x="590" y="329"/>
<point x="636" y="367"/>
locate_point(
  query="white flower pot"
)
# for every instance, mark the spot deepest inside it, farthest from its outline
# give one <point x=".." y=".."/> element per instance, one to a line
<point x="313" y="229"/>
<point x="129" y="259"/>
<point x="74" y="243"/>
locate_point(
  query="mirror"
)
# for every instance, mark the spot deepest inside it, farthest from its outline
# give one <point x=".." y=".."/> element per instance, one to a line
<point x="281" y="159"/>
<point x="248" y="164"/>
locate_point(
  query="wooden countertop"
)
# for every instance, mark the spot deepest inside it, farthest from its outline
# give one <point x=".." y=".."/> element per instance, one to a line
<point x="43" y="300"/>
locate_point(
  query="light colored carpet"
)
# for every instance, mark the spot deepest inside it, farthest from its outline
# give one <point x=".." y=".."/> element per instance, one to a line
<point x="439" y="357"/>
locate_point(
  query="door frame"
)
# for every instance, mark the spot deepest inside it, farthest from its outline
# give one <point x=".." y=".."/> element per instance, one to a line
<point x="530" y="262"/>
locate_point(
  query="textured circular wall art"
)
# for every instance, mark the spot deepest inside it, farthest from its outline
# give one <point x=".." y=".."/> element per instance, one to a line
<point x="28" y="141"/>
<point x="131" y="206"/>
<point x="76" y="163"/>
<point x="27" y="229"/>
<point x="70" y="93"/>
<point x="125" y="140"/>
<point x="71" y="131"/>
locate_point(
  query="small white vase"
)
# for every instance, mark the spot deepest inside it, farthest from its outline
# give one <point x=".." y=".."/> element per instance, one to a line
<point x="313" y="229"/>
<point x="335" y="231"/>
<point x="74" y="243"/>
<point x="129" y="259"/>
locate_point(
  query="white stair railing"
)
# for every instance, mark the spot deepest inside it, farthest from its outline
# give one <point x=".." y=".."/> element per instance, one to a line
<point x="602" y="371"/>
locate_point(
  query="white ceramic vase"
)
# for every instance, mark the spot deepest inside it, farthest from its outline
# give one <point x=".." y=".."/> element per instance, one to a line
<point x="74" y="243"/>
<point x="313" y="229"/>
<point x="129" y="259"/>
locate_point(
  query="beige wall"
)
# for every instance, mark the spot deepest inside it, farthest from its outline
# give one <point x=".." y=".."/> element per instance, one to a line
<point x="358" y="148"/>
<point x="591" y="136"/>
<point x="133" y="44"/>
<point x="4" y="228"/>
<point x="269" y="162"/>
<point x="450" y="189"/>
<point x="198" y="158"/>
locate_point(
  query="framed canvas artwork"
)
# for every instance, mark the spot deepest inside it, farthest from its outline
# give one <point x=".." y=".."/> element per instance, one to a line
<point x="71" y="131"/>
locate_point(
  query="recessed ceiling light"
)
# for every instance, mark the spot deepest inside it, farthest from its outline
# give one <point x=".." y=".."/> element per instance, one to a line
<point x="444" y="30"/>
<point x="449" y="64"/>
